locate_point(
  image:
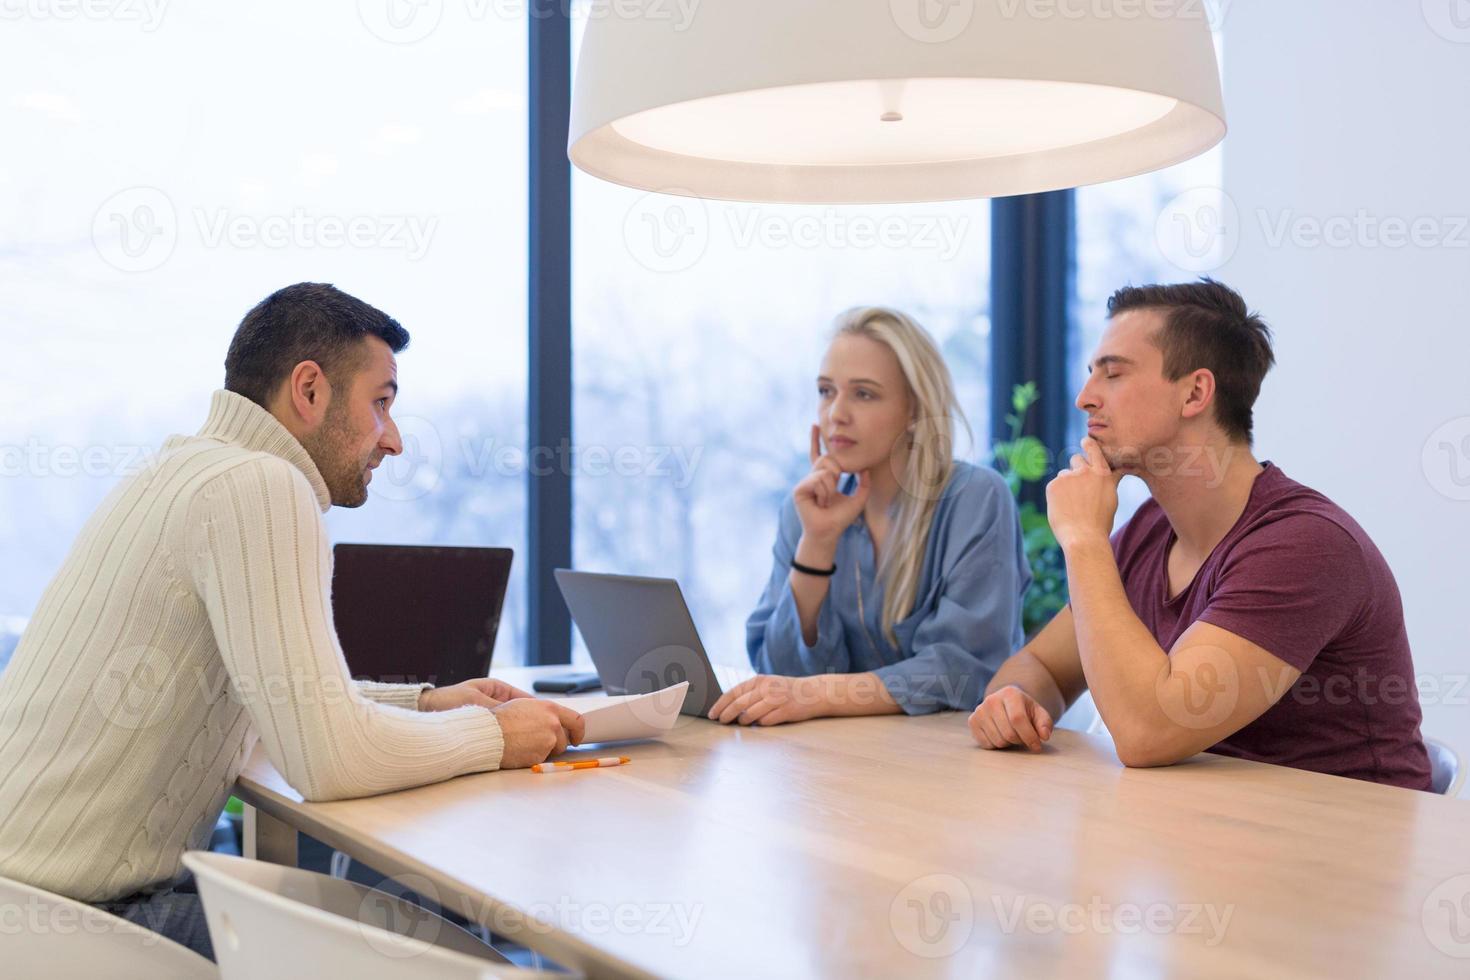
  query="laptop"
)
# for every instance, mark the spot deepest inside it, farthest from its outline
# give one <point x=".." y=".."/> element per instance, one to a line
<point x="407" y="614"/>
<point x="640" y="635"/>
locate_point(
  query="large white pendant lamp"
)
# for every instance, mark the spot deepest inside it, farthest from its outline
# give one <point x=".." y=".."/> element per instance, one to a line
<point x="869" y="101"/>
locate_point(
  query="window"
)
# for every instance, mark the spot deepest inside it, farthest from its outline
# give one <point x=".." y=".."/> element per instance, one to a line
<point x="698" y="330"/>
<point x="1169" y="226"/>
<point x="172" y="180"/>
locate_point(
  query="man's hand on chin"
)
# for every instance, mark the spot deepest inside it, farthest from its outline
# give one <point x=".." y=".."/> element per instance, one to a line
<point x="483" y="691"/>
<point x="1082" y="501"/>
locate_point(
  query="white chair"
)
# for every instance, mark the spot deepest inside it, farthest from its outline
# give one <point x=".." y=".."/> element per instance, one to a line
<point x="1447" y="774"/>
<point x="1083" y="716"/>
<point x="270" y="922"/>
<point x="47" y="935"/>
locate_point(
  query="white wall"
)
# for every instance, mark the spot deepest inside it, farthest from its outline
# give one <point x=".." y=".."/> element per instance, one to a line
<point x="1339" y="107"/>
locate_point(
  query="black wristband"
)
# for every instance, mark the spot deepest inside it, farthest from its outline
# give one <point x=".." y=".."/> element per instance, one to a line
<point x="797" y="566"/>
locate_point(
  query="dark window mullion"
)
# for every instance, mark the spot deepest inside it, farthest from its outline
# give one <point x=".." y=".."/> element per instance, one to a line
<point x="549" y="306"/>
<point x="1032" y="279"/>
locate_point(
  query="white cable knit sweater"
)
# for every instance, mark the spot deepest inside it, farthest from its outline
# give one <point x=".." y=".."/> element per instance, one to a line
<point x="192" y="617"/>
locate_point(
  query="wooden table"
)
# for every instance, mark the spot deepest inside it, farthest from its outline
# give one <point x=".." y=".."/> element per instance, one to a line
<point x="894" y="846"/>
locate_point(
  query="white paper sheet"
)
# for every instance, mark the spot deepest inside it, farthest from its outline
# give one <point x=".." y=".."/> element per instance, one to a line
<point x="623" y="717"/>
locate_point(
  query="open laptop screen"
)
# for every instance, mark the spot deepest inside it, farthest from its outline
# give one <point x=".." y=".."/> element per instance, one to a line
<point x="407" y="614"/>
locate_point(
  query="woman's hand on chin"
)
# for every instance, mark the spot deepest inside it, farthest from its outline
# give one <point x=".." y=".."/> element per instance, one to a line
<point x="825" y="511"/>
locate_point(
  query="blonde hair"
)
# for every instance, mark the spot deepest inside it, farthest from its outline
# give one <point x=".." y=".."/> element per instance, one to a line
<point x="930" y="463"/>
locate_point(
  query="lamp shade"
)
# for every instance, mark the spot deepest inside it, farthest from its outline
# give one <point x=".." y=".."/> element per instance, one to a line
<point x="870" y="101"/>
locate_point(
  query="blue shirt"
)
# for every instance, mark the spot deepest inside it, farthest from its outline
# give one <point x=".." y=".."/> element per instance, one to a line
<point x="966" y="618"/>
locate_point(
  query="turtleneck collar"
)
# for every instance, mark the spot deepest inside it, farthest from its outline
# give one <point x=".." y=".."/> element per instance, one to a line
<point x="237" y="420"/>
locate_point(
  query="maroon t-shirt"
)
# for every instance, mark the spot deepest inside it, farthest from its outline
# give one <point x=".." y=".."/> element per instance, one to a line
<point x="1299" y="578"/>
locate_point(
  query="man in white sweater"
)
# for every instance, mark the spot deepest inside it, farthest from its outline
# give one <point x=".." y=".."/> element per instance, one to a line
<point x="193" y="617"/>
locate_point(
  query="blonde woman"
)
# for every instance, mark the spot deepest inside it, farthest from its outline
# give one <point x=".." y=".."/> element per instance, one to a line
<point x="899" y="570"/>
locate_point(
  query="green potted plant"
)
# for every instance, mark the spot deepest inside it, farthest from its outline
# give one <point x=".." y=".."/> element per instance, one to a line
<point x="1022" y="460"/>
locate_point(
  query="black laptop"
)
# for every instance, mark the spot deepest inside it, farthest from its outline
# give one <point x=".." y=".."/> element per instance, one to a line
<point x="407" y="614"/>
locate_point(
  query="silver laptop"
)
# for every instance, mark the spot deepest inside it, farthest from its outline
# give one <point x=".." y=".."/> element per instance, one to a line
<point x="640" y="635"/>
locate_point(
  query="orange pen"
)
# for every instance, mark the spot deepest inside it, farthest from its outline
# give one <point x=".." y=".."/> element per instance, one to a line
<point x="585" y="764"/>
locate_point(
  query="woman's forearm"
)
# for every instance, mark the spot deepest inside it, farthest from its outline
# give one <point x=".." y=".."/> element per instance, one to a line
<point x="810" y="591"/>
<point x="844" y="696"/>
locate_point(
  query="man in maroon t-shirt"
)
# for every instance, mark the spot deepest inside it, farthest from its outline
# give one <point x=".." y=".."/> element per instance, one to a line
<point x="1238" y="611"/>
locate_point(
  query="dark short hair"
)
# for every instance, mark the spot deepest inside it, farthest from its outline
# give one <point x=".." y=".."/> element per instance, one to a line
<point x="310" y="321"/>
<point x="1207" y="325"/>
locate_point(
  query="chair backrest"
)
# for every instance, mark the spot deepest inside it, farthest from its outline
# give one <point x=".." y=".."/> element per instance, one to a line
<point x="1447" y="774"/>
<point x="1083" y="716"/>
<point x="264" y="915"/>
<point x="48" y="935"/>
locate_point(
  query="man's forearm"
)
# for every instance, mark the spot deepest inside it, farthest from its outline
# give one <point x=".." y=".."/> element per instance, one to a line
<point x="1120" y="657"/>
<point x="400" y="695"/>
<point x="1028" y="673"/>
